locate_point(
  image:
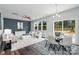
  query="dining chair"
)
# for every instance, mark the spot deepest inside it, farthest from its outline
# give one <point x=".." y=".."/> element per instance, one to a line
<point x="46" y="38"/>
<point x="67" y="43"/>
<point x="52" y="43"/>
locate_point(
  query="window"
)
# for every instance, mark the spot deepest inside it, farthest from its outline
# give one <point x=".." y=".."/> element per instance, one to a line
<point x="35" y="26"/>
<point x="69" y="26"/>
<point x="20" y="25"/>
<point x="39" y="26"/>
<point x="44" y="25"/>
<point x="58" y="26"/>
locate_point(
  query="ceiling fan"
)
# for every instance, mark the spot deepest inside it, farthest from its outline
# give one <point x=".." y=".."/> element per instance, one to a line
<point x="23" y="16"/>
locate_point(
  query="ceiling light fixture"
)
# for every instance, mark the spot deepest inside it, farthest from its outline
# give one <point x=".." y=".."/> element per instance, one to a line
<point x="23" y="16"/>
<point x="56" y="14"/>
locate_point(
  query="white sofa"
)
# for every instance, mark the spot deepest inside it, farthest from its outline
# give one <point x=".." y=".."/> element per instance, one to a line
<point x="26" y="41"/>
<point x="19" y="33"/>
<point x="36" y="34"/>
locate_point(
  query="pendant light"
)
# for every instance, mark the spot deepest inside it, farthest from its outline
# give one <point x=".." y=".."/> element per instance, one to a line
<point x="56" y="13"/>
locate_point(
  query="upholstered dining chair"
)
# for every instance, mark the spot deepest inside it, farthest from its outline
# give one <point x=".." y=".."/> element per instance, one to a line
<point x="52" y="43"/>
<point x="67" y="43"/>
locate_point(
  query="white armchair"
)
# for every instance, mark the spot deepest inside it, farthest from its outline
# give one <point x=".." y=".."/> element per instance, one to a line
<point x="7" y="35"/>
<point x="38" y="34"/>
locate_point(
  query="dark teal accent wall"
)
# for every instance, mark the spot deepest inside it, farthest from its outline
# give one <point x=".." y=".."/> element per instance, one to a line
<point x="12" y="24"/>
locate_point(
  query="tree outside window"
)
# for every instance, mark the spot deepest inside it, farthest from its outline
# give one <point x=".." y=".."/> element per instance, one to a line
<point x="69" y="26"/>
<point x="39" y="26"/>
<point x="44" y="25"/>
<point x="35" y="26"/>
<point x="58" y="26"/>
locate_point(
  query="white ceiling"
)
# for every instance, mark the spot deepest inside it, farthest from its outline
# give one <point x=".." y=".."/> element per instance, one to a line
<point x="36" y="10"/>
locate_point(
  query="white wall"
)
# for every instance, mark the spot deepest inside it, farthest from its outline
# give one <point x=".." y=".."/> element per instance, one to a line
<point x="77" y="31"/>
<point x="66" y="15"/>
<point x="49" y="25"/>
